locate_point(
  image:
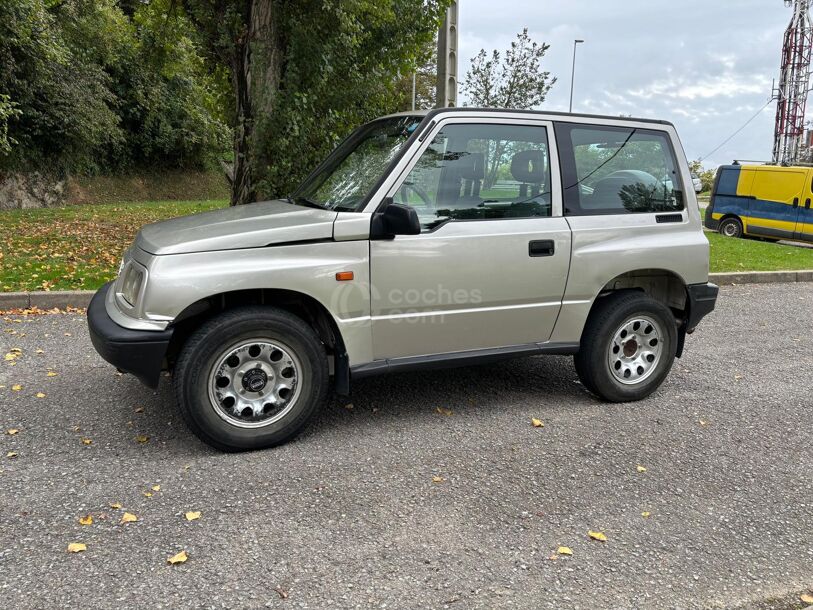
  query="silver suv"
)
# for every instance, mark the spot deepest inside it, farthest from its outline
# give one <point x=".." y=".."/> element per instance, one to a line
<point x="448" y="238"/>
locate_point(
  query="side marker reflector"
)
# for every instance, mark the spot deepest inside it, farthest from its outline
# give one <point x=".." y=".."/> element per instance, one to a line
<point x="344" y="276"/>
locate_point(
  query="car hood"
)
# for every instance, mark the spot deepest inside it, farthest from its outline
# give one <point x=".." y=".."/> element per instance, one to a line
<point x="244" y="226"/>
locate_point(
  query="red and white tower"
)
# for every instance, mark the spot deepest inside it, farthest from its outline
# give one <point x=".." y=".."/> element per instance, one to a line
<point x="791" y="94"/>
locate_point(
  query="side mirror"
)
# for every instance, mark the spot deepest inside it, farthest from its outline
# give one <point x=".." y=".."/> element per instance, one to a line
<point x="395" y="219"/>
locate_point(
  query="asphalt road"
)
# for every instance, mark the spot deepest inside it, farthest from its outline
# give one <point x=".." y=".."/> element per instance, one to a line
<point x="349" y="515"/>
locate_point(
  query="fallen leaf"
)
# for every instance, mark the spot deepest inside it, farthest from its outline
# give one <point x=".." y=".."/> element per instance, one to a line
<point x="128" y="518"/>
<point x="139" y="409"/>
<point x="77" y="429"/>
<point x="703" y="422"/>
<point x="40" y="351"/>
<point x="349" y="406"/>
<point x="564" y="550"/>
<point x="178" y="558"/>
<point x="116" y="505"/>
<point x="156" y="488"/>
<point x="641" y="468"/>
<point x="12" y="431"/>
<point x="52" y="374"/>
<point x="68" y="334"/>
<point x="11" y="357"/>
<point x="87" y="441"/>
<point x="553" y="557"/>
<point x="16" y="387"/>
<point x="77" y="547"/>
<point x="148" y="494"/>
<point x="40" y="395"/>
<point x="438" y="479"/>
<point x="192" y="515"/>
<point x="86" y="520"/>
<point x="11" y="454"/>
<point x="597" y="536"/>
<point x="142" y="438"/>
<point x="537" y="423"/>
<point x="281" y="592"/>
<point x="645" y="514"/>
<point x="446" y="412"/>
<point x="806" y="598"/>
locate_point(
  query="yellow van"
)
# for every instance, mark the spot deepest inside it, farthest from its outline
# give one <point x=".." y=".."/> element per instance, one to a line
<point x="765" y="201"/>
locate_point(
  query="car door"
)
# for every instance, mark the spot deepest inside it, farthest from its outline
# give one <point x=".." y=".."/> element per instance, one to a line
<point x="490" y="266"/>
<point x="776" y="196"/>
<point x="804" y="222"/>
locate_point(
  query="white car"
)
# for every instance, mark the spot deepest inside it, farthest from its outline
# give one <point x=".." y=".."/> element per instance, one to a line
<point x="696" y="182"/>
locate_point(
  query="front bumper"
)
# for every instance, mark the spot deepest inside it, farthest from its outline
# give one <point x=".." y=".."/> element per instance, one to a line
<point x="140" y="352"/>
<point x="702" y="298"/>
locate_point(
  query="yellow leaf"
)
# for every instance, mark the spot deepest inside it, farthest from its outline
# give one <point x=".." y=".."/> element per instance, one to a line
<point x="16" y="350"/>
<point x="77" y="547"/>
<point x="192" y="515"/>
<point x="86" y="520"/>
<point x="128" y="518"/>
<point x="40" y="351"/>
<point x="438" y="479"/>
<point x="16" y="387"/>
<point x="12" y="431"/>
<point x="142" y="438"/>
<point x="11" y="454"/>
<point x="641" y="468"/>
<point x="10" y="357"/>
<point x="178" y="558"/>
<point x="116" y="505"/>
<point x="40" y="395"/>
<point x="564" y="550"/>
<point x="645" y="514"/>
<point x="52" y="374"/>
<point x="537" y="423"/>
<point x="148" y="494"/>
<point x="87" y="441"/>
<point x="597" y="536"/>
<point x="806" y="598"/>
<point x="446" y="412"/>
<point x="156" y="488"/>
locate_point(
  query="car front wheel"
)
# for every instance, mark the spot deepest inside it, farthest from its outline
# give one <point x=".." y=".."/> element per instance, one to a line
<point x="627" y="347"/>
<point x="250" y="378"/>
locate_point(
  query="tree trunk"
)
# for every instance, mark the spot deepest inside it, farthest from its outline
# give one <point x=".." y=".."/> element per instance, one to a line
<point x="256" y="73"/>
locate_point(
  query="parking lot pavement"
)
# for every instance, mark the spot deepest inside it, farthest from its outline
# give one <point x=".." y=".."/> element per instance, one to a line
<point x="350" y="516"/>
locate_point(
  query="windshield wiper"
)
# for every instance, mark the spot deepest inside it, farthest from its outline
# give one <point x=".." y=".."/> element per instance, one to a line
<point x="304" y="201"/>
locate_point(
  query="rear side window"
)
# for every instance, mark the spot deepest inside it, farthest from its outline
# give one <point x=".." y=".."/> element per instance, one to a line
<point x="617" y="170"/>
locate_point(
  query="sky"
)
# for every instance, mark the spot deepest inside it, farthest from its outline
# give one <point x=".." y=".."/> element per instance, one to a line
<point x="705" y="65"/>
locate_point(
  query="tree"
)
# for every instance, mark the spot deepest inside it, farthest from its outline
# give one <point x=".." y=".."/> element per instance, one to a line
<point x="513" y="81"/>
<point x="304" y="73"/>
<point x="706" y="175"/>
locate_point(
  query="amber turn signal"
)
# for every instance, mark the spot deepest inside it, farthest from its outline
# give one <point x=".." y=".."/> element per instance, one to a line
<point x="344" y="276"/>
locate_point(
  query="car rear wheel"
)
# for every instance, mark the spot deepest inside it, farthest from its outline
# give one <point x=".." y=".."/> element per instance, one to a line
<point x="250" y="378"/>
<point x="731" y="227"/>
<point x="628" y="346"/>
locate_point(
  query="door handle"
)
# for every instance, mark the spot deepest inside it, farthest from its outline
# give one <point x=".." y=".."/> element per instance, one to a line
<point x="541" y="247"/>
<point x="795" y="202"/>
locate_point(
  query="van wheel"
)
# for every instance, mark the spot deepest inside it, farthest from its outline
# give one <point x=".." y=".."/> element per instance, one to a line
<point x="627" y="348"/>
<point x="250" y="378"/>
<point x="730" y="227"/>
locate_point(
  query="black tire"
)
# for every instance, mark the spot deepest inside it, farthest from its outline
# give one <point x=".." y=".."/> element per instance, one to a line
<point x="730" y="227"/>
<point x="207" y="345"/>
<point x="607" y="317"/>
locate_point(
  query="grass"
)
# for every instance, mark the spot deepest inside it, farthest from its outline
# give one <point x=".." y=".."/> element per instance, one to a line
<point x="76" y="247"/>
<point x="79" y="247"/>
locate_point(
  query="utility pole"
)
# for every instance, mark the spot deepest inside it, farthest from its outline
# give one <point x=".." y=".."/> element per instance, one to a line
<point x="573" y="73"/>
<point x="446" y="92"/>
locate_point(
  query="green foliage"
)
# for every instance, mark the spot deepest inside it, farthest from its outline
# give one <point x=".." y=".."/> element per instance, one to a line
<point x="8" y="109"/>
<point x="706" y="175"/>
<point x="515" y="80"/>
<point x="98" y="88"/>
<point x="341" y="65"/>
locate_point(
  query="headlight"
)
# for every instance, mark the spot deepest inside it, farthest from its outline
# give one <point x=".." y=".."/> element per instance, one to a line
<point x="131" y="286"/>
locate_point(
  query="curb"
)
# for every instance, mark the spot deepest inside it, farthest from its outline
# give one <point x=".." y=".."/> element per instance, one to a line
<point x="81" y="298"/>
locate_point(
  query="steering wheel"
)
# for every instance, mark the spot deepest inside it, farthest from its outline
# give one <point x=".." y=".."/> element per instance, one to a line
<point x="420" y="192"/>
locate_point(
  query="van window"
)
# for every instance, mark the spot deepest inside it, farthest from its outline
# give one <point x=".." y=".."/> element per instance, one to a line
<point x="480" y="172"/>
<point x="617" y="170"/>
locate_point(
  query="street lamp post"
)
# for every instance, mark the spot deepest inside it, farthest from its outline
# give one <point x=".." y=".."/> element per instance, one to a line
<point x="573" y="73"/>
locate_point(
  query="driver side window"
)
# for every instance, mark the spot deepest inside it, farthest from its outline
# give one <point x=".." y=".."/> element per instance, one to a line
<point x="480" y="172"/>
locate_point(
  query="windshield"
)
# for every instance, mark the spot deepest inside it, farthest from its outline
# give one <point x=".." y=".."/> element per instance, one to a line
<point x="355" y="167"/>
